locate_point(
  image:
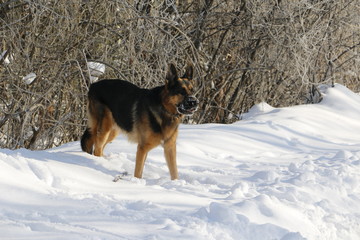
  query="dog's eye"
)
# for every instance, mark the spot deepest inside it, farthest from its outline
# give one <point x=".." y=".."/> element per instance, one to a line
<point x="181" y="91"/>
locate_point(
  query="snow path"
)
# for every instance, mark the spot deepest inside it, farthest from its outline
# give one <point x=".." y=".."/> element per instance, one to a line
<point x="281" y="173"/>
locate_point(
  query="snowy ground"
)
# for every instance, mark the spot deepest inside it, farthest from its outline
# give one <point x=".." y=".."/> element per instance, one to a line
<point x="289" y="173"/>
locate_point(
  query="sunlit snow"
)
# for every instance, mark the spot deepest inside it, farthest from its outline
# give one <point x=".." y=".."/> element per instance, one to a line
<point x="280" y="173"/>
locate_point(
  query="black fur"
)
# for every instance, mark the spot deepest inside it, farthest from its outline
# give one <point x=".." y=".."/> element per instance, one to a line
<point x="123" y="98"/>
<point x="85" y="137"/>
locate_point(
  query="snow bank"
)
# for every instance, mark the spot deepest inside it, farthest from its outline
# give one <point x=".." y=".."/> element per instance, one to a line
<point x="289" y="173"/>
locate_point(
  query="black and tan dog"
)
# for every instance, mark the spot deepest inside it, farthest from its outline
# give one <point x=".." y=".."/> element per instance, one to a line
<point x="148" y="117"/>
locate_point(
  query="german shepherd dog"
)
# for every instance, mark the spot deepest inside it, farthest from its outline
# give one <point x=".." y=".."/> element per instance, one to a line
<point x="149" y="117"/>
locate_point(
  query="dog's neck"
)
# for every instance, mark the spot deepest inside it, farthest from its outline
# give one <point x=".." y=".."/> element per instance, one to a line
<point x="166" y="108"/>
<point x="174" y="116"/>
<point x="168" y="118"/>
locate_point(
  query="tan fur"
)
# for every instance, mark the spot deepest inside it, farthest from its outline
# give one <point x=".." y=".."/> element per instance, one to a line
<point x="147" y="140"/>
<point x="103" y="132"/>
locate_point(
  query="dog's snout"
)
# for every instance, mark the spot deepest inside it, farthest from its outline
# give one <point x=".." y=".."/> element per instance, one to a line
<point x="191" y="101"/>
<point x="188" y="106"/>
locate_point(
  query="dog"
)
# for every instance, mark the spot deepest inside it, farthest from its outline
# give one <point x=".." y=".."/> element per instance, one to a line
<point x="149" y="117"/>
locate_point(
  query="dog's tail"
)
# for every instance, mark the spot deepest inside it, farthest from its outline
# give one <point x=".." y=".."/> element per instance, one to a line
<point x="87" y="141"/>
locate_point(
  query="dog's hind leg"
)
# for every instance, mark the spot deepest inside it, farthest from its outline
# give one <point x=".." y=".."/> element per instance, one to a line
<point x="104" y="129"/>
<point x="113" y="134"/>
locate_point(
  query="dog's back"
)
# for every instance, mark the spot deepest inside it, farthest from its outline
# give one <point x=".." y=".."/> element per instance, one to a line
<point x="126" y="101"/>
<point x="119" y="96"/>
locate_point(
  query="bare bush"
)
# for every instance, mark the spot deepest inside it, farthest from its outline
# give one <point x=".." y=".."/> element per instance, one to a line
<point x="244" y="52"/>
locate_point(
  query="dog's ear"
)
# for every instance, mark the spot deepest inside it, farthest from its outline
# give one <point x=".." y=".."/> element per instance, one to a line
<point x="171" y="75"/>
<point x="189" y="72"/>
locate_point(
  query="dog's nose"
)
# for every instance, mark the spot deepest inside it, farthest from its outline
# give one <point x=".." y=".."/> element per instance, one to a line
<point x="191" y="101"/>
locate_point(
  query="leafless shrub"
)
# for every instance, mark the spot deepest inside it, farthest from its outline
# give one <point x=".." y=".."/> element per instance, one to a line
<point x="244" y="52"/>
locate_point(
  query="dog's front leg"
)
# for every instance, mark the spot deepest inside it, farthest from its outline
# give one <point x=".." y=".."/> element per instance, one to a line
<point x="170" y="156"/>
<point x="140" y="160"/>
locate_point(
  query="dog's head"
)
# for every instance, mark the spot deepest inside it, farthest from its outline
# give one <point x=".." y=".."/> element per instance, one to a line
<point x="179" y="92"/>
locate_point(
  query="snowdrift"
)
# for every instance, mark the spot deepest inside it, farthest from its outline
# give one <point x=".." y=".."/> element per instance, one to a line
<point x="281" y="173"/>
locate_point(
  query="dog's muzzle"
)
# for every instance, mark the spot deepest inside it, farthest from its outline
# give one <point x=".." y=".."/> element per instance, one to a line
<point x="188" y="106"/>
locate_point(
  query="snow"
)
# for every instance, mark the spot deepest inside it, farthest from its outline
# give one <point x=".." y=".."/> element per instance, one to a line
<point x="5" y="57"/>
<point x="28" y="79"/>
<point x="96" y="69"/>
<point x="280" y="173"/>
